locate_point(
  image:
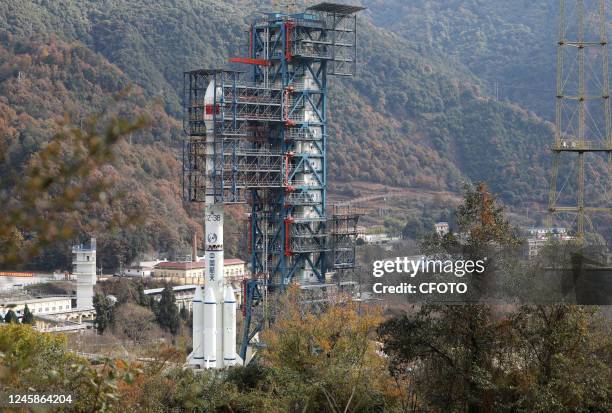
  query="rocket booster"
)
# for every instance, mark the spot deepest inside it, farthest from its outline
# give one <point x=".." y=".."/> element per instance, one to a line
<point x="198" y="324"/>
<point x="229" y="326"/>
<point x="209" y="336"/>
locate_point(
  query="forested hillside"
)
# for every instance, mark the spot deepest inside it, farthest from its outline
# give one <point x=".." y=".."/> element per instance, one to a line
<point x="509" y="45"/>
<point x="410" y="118"/>
<point x="66" y="79"/>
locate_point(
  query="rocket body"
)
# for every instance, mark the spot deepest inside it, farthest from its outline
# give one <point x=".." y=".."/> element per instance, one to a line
<point x="215" y="315"/>
<point x="213" y="226"/>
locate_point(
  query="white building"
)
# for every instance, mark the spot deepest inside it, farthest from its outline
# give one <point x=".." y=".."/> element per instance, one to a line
<point x="539" y="236"/>
<point x="379" y="239"/>
<point x="234" y="270"/>
<point x="84" y="269"/>
<point x="142" y="269"/>
<point x="543" y="232"/>
<point x="38" y="306"/>
<point x="441" y="228"/>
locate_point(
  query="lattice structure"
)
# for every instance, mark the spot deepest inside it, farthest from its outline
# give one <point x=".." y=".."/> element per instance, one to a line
<point x="582" y="114"/>
<point x="343" y="230"/>
<point x="269" y="146"/>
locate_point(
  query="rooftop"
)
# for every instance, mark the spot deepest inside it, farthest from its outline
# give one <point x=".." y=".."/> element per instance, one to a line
<point x="90" y="247"/>
<point x="181" y="265"/>
<point x="29" y="300"/>
<point x="336" y="8"/>
<point x="177" y="288"/>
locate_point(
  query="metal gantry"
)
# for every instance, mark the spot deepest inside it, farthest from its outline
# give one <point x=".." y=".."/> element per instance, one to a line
<point x="582" y="109"/>
<point x="270" y="148"/>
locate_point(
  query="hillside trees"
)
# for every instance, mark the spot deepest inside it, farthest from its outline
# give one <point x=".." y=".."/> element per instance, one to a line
<point x="327" y="361"/>
<point x="63" y="177"/>
<point x="77" y="114"/>
<point x="410" y="118"/>
<point x="476" y="358"/>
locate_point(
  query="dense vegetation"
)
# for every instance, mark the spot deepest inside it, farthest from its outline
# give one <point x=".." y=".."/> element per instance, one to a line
<point x="432" y="114"/>
<point x="439" y="358"/>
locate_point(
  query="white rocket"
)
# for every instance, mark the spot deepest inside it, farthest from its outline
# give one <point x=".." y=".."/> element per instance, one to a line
<point x="214" y="312"/>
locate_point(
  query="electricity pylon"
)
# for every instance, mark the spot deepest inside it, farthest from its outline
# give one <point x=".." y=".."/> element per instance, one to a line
<point x="581" y="92"/>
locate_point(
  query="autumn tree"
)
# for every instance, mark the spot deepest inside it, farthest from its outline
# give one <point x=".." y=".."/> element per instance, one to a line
<point x="135" y="322"/>
<point x="33" y="362"/>
<point x="326" y="361"/>
<point x="62" y="177"/>
<point x="483" y="233"/>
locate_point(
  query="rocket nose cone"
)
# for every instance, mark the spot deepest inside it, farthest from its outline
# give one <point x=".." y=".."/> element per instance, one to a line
<point x="228" y="295"/>
<point x="198" y="294"/>
<point x="209" y="295"/>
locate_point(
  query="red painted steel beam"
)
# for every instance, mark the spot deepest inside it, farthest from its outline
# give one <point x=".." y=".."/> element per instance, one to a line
<point x="249" y="61"/>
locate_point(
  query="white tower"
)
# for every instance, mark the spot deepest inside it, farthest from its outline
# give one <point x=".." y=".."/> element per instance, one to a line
<point x="84" y="269"/>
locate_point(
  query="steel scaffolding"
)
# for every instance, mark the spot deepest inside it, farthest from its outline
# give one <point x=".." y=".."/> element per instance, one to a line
<point x="269" y="147"/>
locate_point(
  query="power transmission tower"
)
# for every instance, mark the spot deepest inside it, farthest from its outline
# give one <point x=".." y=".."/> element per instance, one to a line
<point x="582" y="113"/>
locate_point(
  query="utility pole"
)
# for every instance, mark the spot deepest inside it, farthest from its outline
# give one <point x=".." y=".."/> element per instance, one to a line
<point x="579" y="131"/>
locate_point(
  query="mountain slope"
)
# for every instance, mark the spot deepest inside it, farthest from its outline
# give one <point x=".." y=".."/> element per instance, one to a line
<point x="427" y="140"/>
<point x="409" y="118"/>
<point x="44" y="80"/>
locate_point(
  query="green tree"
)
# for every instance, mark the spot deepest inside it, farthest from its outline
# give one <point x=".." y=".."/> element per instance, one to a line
<point x="10" y="317"/>
<point x="477" y="358"/>
<point x="28" y="317"/>
<point x="141" y="298"/>
<point x="105" y="312"/>
<point x="564" y="359"/>
<point x="417" y="228"/>
<point x="484" y="234"/>
<point x="167" y="311"/>
<point x="456" y="349"/>
<point x="184" y="313"/>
